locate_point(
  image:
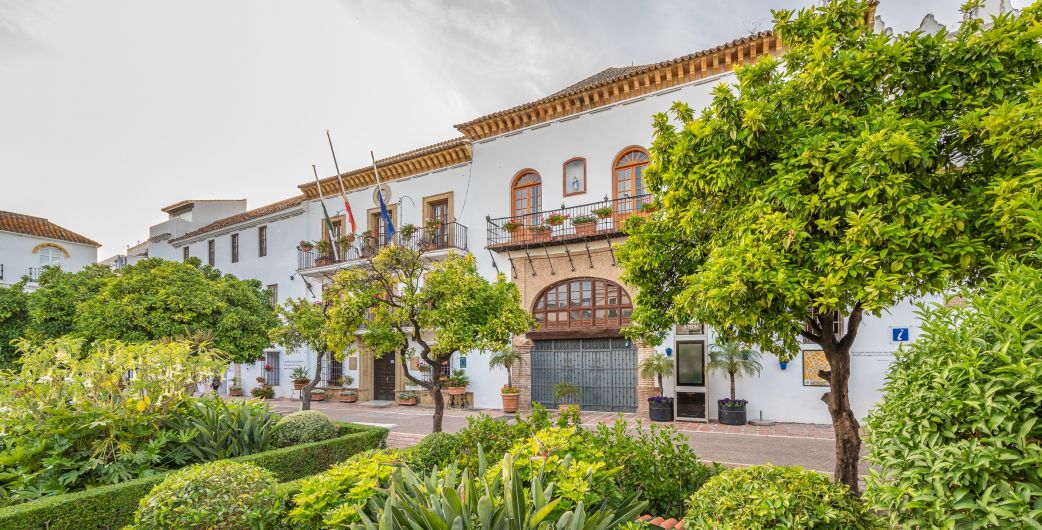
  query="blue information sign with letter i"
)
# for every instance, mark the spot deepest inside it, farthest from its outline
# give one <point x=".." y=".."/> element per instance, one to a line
<point x="899" y="334"/>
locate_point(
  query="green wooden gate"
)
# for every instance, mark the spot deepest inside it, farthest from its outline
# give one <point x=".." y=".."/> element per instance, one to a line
<point x="605" y="370"/>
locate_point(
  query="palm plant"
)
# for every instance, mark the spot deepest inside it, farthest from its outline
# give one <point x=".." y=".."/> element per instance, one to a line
<point x="507" y="359"/>
<point x="734" y="360"/>
<point x="656" y="366"/>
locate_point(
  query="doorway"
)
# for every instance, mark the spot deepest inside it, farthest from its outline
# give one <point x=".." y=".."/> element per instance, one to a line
<point x="383" y="378"/>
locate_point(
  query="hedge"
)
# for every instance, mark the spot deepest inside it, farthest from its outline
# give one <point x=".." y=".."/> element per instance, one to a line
<point x="113" y="506"/>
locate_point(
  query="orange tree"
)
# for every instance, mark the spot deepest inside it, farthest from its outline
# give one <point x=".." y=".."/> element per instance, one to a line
<point x="402" y="302"/>
<point x="858" y="170"/>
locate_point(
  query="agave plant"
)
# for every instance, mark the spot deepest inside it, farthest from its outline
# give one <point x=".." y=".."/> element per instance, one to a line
<point x="448" y="499"/>
<point x="222" y="431"/>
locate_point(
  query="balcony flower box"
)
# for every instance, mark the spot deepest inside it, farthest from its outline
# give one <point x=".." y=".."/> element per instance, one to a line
<point x="407" y="399"/>
<point x="555" y="219"/>
<point x="603" y="212"/>
<point x="538" y="233"/>
<point x="584" y="225"/>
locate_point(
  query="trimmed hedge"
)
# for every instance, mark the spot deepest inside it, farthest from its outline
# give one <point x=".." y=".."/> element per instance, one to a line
<point x="110" y="507"/>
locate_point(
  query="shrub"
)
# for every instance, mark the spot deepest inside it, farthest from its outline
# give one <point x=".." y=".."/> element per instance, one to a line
<point x="436" y="449"/>
<point x="216" y="495"/>
<point x="775" y="497"/>
<point x="956" y="438"/>
<point x="496" y="437"/>
<point x="262" y="392"/>
<point x="331" y="499"/>
<point x="658" y="463"/>
<point x="303" y="427"/>
<point x="222" y="430"/>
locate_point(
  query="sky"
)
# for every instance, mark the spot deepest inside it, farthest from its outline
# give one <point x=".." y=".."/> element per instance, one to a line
<point x="113" y="109"/>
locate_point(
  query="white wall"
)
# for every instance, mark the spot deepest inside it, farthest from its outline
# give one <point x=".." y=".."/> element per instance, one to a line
<point x="17" y="257"/>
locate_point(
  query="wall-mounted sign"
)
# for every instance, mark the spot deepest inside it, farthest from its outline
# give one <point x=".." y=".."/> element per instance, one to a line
<point x="814" y="361"/>
<point x="899" y="335"/>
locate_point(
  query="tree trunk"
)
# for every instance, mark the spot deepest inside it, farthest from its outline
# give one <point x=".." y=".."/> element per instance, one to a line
<point x="305" y="402"/>
<point x="732" y="386"/>
<point x="439" y="406"/>
<point x="837" y="399"/>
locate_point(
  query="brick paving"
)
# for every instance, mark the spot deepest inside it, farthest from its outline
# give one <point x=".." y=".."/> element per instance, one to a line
<point x="807" y="445"/>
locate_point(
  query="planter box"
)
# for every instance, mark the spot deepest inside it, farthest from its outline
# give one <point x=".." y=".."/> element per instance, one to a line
<point x="411" y="402"/>
<point x="585" y="229"/>
<point x="300" y="386"/>
<point x="660" y="411"/>
<point x="539" y="235"/>
<point x="348" y="399"/>
<point x="235" y="392"/>
<point x="730" y="416"/>
<point x="318" y="397"/>
<point x="510" y="402"/>
<point x="456" y="390"/>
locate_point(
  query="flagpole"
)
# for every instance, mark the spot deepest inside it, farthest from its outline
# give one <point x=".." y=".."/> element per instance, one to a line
<point x="343" y="191"/>
<point x="380" y="193"/>
<point x="329" y="223"/>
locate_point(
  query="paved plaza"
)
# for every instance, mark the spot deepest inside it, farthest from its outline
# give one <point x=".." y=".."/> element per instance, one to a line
<point x="810" y="446"/>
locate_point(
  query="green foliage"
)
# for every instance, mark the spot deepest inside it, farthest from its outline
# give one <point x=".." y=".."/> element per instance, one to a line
<point x="734" y="360"/>
<point x="857" y="170"/>
<point x="508" y="501"/>
<point x="72" y="421"/>
<point x="775" y="497"/>
<point x="54" y="305"/>
<point x="566" y="391"/>
<point x="227" y="430"/>
<point x="956" y="439"/>
<point x="657" y="463"/>
<point x="655" y="366"/>
<point x="507" y="358"/>
<point x="458" y="379"/>
<point x="331" y="499"/>
<point x="216" y="495"/>
<point x="303" y="427"/>
<point x="436" y="449"/>
<point x="301" y="323"/>
<point x="495" y="436"/>
<point x="262" y="392"/>
<point x="113" y="506"/>
<point x="14" y="320"/>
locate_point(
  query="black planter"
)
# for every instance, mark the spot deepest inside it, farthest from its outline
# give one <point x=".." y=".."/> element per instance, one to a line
<point x="660" y="411"/>
<point x="731" y="416"/>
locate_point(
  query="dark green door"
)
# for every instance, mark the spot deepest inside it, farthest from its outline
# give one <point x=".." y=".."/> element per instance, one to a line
<point x="605" y="370"/>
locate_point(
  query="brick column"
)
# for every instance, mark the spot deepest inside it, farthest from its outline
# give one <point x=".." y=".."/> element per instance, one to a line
<point x="522" y="375"/>
<point x="645" y="387"/>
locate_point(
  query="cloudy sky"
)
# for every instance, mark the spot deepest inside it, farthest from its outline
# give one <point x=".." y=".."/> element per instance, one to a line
<point x="110" y="110"/>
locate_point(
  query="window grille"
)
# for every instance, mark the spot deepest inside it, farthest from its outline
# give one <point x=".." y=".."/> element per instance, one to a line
<point x="271" y="359"/>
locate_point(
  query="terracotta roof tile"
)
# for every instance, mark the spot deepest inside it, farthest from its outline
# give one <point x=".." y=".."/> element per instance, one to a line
<point x="40" y="227"/>
<point x="248" y="215"/>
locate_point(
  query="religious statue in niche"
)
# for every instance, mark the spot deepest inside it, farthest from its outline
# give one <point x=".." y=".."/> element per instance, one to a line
<point x="575" y="176"/>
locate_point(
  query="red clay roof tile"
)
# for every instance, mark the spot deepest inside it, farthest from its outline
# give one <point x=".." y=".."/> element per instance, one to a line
<point x="39" y="227"/>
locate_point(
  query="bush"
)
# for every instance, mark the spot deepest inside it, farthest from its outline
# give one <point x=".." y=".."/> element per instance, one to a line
<point x="658" y="463"/>
<point x="222" y="430"/>
<point x="303" y="427"/>
<point x="262" y="392"/>
<point x="113" y="506"/>
<point x="956" y="438"/>
<point x="331" y="499"/>
<point x="775" y="497"/>
<point x="496" y="437"/>
<point x="216" y="495"/>
<point x="436" y="449"/>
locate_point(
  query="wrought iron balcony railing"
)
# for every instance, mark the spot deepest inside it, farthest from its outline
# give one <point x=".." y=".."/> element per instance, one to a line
<point x="34" y="274"/>
<point x="449" y="235"/>
<point x="596" y="220"/>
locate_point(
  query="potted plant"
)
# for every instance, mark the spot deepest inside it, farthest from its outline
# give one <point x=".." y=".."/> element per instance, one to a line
<point x="648" y="208"/>
<point x="540" y="232"/>
<point x="734" y="360"/>
<point x="512" y="225"/>
<point x="347" y="395"/>
<point x="584" y="224"/>
<point x="268" y="367"/>
<point x="555" y="219"/>
<point x="318" y="394"/>
<point x="510" y="394"/>
<point x="407" y="398"/>
<point x="235" y="389"/>
<point x="323" y="248"/>
<point x="262" y="380"/>
<point x="406" y="231"/>
<point x="458" y="382"/>
<point x="655" y="366"/>
<point x="305" y="246"/>
<point x="263" y="392"/>
<point x="300" y="378"/>
<point x="344" y="241"/>
<point x="565" y="394"/>
<point x="603" y="212"/>
<point x="433" y="225"/>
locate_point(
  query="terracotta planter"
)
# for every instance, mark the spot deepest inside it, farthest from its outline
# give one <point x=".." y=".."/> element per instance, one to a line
<point x="510" y="401"/>
<point x="585" y="229"/>
<point x="517" y="234"/>
<point x="411" y="402"/>
<point x="348" y="398"/>
<point x="235" y="392"/>
<point x="300" y="386"/>
<point x="456" y="390"/>
<point x="539" y="235"/>
<point x="318" y="397"/>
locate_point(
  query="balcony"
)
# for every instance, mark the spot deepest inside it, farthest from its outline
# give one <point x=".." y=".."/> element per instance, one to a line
<point x="34" y="274"/>
<point x="552" y="227"/>
<point x="447" y="236"/>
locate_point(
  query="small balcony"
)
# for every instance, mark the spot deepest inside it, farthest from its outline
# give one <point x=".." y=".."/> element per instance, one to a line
<point x="586" y="222"/>
<point x="34" y="274"/>
<point x="429" y="239"/>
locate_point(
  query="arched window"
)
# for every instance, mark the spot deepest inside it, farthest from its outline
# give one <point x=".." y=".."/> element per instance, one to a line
<point x="526" y="196"/>
<point x="51" y="256"/>
<point x="629" y="179"/>
<point x="583" y="303"/>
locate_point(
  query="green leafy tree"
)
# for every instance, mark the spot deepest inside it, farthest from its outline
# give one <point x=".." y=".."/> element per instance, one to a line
<point x="859" y="170"/>
<point x="54" y="305"/>
<point x="304" y="324"/>
<point x="14" y="320"/>
<point x="155" y="299"/>
<point x="414" y="306"/>
<point x="734" y="360"/>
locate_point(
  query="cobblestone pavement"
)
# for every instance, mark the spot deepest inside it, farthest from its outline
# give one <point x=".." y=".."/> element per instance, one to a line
<point x="807" y="445"/>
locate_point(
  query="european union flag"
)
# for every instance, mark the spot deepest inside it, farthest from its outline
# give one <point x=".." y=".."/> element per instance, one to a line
<point x="388" y="224"/>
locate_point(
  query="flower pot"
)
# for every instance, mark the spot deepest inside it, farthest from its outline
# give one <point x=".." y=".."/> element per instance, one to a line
<point x="411" y="402"/>
<point x="731" y="416"/>
<point x="318" y="397"/>
<point x="585" y="229"/>
<point x="783" y="364"/>
<point x="300" y="386"/>
<point x="538" y="235"/>
<point x="456" y="390"/>
<point x="660" y="411"/>
<point x="348" y="398"/>
<point x="236" y="392"/>
<point x="510" y="401"/>
<point x="323" y="261"/>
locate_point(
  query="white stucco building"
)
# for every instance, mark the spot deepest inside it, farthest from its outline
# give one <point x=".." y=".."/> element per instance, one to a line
<point x="580" y="153"/>
<point x="29" y="243"/>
